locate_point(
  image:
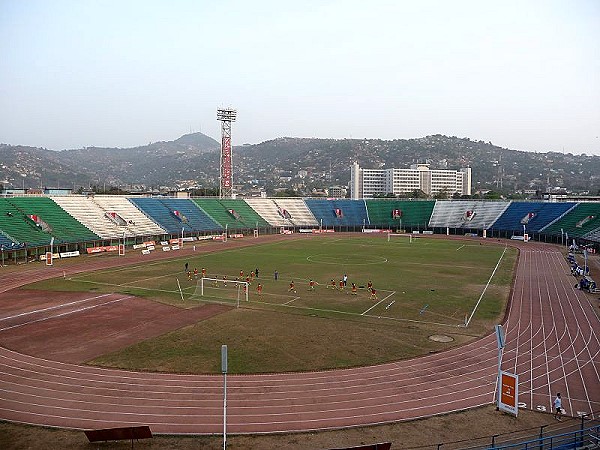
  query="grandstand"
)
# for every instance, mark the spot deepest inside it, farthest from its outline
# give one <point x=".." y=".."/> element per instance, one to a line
<point x="534" y="215"/>
<point x="18" y="229"/>
<point x="52" y="219"/>
<point x="408" y="213"/>
<point x="90" y="214"/>
<point x="578" y="221"/>
<point x="175" y="215"/>
<point x="137" y="223"/>
<point x="297" y="209"/>
<point x="339" y="212"/>
<point x="465" y="214"/>
<point x="269" y="211"/>
<point x="235" y="214"/>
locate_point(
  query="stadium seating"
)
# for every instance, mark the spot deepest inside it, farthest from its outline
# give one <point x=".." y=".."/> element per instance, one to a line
<point x="298" y="211"/>
<point x="338" y="212"/>
<point x="269" y="211"/>
<point x="175" y="215"/>
<point x="465" y="214"/>
<point x="412" y="214"/>
<point x="5" y="242"/>
<point x="534" y="215"/>
<point x="236" y="214"/>
<point x="90" y="214"/>
<point x="64" y="227"/>
<point x="138" y="224"/>
<point x="578" y="221"/>
<point x="593" y="236"/>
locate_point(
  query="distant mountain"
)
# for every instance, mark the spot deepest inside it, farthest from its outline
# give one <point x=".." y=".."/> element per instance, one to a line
<point x="191" y="157"/>
<point x="300" y="164"/>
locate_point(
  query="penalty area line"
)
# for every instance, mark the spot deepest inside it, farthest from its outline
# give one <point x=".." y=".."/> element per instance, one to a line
<point x="378" y="303"/>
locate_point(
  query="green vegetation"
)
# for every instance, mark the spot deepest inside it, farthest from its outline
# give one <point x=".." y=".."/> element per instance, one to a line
<point x="425" y="287"/>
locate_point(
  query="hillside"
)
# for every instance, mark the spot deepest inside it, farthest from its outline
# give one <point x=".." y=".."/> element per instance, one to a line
<point x="302" y="164"/>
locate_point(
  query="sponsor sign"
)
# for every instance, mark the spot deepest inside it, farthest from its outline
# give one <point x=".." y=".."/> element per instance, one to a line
<point x="166" y="249"/>
<point x="164" y="243"/>
<point x="509" y="393"/>
<point x="175" y="247"/>
<point x="147" y="243"/>
<point x="323" y="231"/>
<point x="305" y="230"/>
<point x="136" y="246"/>
<point x="52" y="255"/>
<point x="375" y="230"/>
<point x="236" y="236"/>
<point x="145" y="252"/>
<point x="218" y="237"/>
<point x="150" y="247"/>
<point x="69" y="254"/>
<point x="189" y="239"/>
<point x="107" y="248"/>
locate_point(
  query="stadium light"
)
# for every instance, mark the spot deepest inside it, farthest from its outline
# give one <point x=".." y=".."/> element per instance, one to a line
<point x="226" y="116"/>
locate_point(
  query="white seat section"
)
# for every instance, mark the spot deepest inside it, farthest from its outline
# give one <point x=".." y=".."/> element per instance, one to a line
<point x="300" y="213"/>
<point x="455" y="214"/>
<point x="268" y="210"/>
<point x="89" y="214"/>
<point x="138" y="223"/>
<point x="486" y="213"/>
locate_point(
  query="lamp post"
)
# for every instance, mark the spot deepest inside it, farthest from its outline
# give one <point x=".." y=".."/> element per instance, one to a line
<point x="224" y="371"/>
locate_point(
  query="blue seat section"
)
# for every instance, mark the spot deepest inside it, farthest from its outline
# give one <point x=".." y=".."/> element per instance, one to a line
<point x="544" y="213"/>
<point x="353" y="212"/>
<point x="190" y="218"/>
<point x="6" y="242"/>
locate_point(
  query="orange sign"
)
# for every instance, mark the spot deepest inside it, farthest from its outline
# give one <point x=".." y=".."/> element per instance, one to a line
<point x="509" y="393"/>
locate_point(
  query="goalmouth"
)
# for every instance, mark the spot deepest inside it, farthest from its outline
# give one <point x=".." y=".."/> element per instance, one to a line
<point x="221" y="290"/>
<point x="404" y="235"/>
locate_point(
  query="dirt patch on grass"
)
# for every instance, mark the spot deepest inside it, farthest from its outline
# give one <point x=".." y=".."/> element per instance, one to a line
<point x="75" y="327"/>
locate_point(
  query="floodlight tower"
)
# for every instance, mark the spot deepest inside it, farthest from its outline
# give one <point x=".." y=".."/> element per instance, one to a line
<point x="226" y="116"/>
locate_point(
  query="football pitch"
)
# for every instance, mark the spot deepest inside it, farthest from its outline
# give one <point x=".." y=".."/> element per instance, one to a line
<point x="427" y="287"/>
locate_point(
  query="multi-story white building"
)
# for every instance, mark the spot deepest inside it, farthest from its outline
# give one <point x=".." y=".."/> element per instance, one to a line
<point x="365" y="183"/>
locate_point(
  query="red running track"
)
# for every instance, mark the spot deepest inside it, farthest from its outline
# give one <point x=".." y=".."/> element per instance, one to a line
<point x="552" y="343"/>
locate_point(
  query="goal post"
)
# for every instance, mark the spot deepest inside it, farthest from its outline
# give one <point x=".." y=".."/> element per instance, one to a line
<point x="405" y="235"/>
<point x="215" y="289"/>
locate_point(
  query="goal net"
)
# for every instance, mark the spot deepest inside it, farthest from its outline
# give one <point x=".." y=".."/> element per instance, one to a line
<point x="221" y="291"/>
<point x="408" y="236"/>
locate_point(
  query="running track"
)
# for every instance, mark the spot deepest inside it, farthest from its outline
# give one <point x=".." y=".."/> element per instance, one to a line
<point x="552" y="336"/>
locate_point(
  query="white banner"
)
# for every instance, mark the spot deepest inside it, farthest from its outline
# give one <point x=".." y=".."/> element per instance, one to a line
<point x="69" y="254"/>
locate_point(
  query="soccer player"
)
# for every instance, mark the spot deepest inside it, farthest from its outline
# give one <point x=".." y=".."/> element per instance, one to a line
<point x="341" y="285"/>
<point x="256" y="272"/>
<point x="345" y="280"/>
<point x="189" y="274"/>
<point x="259" y="290"/>
<point x="373" y="294"/>
<point x="196" y="272"/>
<point x="354" y="290"/>
<point x="331" y="284"/>
<point x="292" y="287"/>
<point x="252" y="276"/>
<point x="242" y="274"/>
<point x="370" y="285"/>
<point x="203" y="272"/>
<point x="225" y="280"/>
<point x="248" y="280"/>
<point x="311" y="285"/>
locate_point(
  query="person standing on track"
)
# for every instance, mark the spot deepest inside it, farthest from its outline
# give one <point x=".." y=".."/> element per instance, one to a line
<point x="557" y="407"/>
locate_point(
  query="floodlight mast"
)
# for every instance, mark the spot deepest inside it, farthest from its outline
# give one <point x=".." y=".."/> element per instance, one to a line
<point x="226" y="116"/>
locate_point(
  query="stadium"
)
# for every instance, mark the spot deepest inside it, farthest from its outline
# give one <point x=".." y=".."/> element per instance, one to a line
<point x="124" y="270"/>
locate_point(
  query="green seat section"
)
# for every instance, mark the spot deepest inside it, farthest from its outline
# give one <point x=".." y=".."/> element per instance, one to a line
<point x="231" y="212"/>
<point x="18" y="228"/>
<point x="53" y="220"/>
<point x="415" y="213"/>
<point x="582" y="219"/>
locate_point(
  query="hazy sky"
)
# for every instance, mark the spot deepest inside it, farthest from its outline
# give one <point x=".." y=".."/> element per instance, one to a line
<point x="522" y="74"/>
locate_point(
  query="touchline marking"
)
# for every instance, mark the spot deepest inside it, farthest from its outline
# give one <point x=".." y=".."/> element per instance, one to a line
<point x="390" y="304"/>
<point x="292" y="300"/>
<point x="380" y="301"/>
<point x="53" y="307"/>
<point x="65" y="313"/>
<point x="460" y="247"/>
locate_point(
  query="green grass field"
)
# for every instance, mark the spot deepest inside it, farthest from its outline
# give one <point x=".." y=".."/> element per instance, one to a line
<point x="423" y="288"/>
